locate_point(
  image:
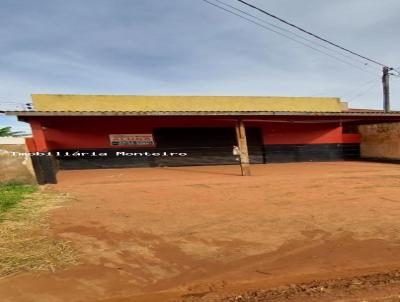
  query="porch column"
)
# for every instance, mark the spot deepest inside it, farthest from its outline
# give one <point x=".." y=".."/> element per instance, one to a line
<point x="45" y="167"/>
<point x="38" y="135"/>
<point x="242" y="144"/>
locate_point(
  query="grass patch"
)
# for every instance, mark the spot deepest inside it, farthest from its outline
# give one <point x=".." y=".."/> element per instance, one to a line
<point x="11" y="194"/>
<point x="26" y="243"/>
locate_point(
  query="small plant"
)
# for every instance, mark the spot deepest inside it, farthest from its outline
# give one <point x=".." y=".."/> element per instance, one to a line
<point x="11" y="194"/>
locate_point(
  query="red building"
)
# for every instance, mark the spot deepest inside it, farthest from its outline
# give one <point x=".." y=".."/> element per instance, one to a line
<point x="84" y="132"/>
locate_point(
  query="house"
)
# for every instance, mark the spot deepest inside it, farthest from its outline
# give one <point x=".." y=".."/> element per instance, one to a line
<point x="109" y="131"/>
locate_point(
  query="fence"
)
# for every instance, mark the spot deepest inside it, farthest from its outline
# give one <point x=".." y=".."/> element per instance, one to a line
<point x="380" y="141"/>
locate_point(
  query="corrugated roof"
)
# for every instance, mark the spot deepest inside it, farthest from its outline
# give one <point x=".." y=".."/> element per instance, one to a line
<point x="131" y="103"/>
<point x="199" y="113"/>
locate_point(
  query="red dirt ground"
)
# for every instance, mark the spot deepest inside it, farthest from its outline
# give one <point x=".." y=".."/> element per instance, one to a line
<point x="205" y="233"/>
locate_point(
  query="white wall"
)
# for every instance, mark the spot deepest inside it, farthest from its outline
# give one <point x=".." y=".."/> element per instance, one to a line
<point x="12" y="140"/>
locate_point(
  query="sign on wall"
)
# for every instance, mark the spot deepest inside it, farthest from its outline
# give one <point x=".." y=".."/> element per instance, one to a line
<point x="132" y="139"/>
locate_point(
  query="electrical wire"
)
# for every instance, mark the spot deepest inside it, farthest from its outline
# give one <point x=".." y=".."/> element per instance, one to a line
<point x="348" y="92"/>
<point x="368" y="89"/>
<point x="292" y="33"/>
<point x="288" y="37"/>
<point x="311" y="34"/>
<point x="352" y="92"/>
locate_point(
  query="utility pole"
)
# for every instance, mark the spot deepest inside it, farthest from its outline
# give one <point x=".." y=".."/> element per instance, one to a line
<point x="386" y="92"/>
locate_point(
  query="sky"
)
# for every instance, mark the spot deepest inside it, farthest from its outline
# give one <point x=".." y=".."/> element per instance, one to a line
<point x="188" y="47"/>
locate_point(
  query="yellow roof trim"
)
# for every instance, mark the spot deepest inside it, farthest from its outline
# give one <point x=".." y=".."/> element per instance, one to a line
<point x="106" y="103"/>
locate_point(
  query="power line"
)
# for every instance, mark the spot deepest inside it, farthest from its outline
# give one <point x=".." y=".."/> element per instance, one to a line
<point x="351" y="93"/>
<point x="370" y="87"/>
<point x="348" y="93"/>
<point x="311" y="34"/>
<point x="288" y="37"/>
<point x="291" y="32"/>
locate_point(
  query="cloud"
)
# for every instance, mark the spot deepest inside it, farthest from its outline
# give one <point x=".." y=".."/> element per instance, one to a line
<point x="188" y="47"/>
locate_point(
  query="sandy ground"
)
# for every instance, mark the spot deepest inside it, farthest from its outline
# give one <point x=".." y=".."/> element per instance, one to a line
<point x="169" y="234"/>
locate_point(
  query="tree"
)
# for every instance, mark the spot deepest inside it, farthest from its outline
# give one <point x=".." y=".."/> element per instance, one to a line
<point x="7" y="131"/>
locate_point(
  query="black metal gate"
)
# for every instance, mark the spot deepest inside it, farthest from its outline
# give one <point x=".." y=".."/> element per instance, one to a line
<point x="192" y="146"/>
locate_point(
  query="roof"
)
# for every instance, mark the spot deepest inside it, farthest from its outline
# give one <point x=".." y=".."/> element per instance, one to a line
<point x="156" y="104"/>
<point x="371" y="113"/>
<point x="234" y="106"/>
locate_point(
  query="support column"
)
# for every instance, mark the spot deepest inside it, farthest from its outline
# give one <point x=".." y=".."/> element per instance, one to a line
<point x="242" y="144"/>
<point x="38" y="135"/>
<point x="45" y="167"/>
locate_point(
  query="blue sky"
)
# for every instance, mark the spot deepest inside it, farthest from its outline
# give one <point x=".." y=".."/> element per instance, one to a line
<point x="180" y="47"/>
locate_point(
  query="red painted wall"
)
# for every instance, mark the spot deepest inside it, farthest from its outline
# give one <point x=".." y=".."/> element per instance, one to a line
<point x="92" y="132"/>
<point x="306" y="133"/>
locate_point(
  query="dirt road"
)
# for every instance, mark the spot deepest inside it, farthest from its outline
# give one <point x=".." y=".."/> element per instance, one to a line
<point x="165" y="233"/>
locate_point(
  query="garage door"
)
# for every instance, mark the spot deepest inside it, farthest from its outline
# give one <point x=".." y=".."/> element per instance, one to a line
<point x="200" y="146"/>
<point x="206" y="146"/>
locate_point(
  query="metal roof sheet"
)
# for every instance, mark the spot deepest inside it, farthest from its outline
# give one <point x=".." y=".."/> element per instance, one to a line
<point x="140" y="103"/>
<point x="200" y="113"/>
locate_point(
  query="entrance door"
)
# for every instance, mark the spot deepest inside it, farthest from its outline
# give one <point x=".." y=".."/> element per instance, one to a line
<point x="203" y="146"/>
<point x="206" y="146"/>
<point x="255" y="145"/>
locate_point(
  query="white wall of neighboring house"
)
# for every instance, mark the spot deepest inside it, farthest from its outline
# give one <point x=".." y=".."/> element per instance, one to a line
<point x="15" y="168"/>
<point x="12" y="140"/>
